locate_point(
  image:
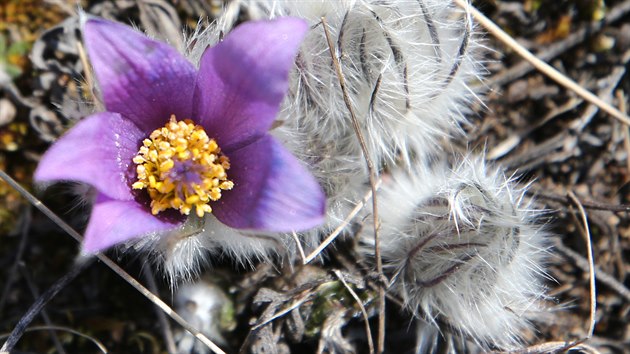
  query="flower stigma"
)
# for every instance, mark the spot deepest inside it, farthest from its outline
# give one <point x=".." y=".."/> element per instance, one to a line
<point x="181" y="168"/>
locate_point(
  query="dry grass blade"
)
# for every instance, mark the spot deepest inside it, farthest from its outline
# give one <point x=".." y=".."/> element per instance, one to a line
<point x="39" y="304"/>
<point x="621" y="98"/>
<point x="112" y="265"/>
<point x="591" y="269"/>
<point x="543" y="67"/>
<point x="368" y="332"/>
<point x="89" y="78"/>
<point x="602" y="276"/>
<point x="13" y="270"/>
<point x="33" y="288"/>
<point x="163" y="321"/>
<point x="556" y="347"/>
<point x="576" y="37"/>
<point x="333" y="235"/>
<point x="101" y="347"/>
<point x="373" y="183"/>
<point x="298" y="244"/>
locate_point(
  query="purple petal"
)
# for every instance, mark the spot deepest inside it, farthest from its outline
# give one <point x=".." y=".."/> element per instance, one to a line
<point x="272" y="191"/>
<point x="115" y="221"/>
<point x="98" y="151"/>
<point x="144" y="80"/>
<point x="243" y="80"/>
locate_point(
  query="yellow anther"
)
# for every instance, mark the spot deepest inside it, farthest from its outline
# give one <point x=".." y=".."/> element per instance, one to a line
<point x="181" y="168"/>
<point x="203" y="208"/>
<point x="167" y="165"/>
<point x="152" y="181"/>
<point x="193" y="199"/>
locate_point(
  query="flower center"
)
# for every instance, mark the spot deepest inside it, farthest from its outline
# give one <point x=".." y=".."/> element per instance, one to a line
<point x="181" y="168"/>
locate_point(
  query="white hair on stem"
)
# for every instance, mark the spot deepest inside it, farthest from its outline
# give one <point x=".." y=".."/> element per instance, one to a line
<point x="463" y="250"/>
<point x="183" y="252"/>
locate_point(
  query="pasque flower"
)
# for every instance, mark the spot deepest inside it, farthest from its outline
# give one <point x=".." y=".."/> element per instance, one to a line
<point x="177" y="141"/>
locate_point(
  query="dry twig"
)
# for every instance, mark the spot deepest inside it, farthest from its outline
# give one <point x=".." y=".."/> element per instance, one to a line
<point x="368" y="332"/>
<point x="565" y="200"/>
<point x="621" y="99"/>
<point x="373" y="182"/>
<point x="543" y="67"/>
<point x="13" y="270"/>
<point x="556" y="49"/>
<point x="163" y="321"/>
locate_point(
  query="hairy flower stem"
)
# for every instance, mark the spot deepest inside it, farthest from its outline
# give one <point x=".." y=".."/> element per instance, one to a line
<point x="380" y="344"/>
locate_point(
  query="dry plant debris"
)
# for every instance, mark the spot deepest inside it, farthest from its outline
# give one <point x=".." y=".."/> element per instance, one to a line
<point x="565" y="147"/>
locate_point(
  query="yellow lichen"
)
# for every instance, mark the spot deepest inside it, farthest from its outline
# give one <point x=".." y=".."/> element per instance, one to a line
<point x="181" y="168"/>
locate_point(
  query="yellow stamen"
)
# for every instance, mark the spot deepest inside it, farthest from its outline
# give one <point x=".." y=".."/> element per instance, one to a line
<point x="181" y="168"/>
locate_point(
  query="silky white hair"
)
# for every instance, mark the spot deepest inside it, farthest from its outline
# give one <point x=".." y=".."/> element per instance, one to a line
<point x="460" y="240"/>
<point x="406" y="65"/>
<point x="464" y="250"/>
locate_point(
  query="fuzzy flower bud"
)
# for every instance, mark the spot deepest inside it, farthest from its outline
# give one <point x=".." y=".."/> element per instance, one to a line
<point x="462" y="249"/>
<point x="406" y="65"/>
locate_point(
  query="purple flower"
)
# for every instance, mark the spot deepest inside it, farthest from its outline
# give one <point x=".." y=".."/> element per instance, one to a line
<point x="175" y="139"/>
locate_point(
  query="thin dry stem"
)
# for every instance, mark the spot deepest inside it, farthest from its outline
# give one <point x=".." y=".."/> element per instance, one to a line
<point x="13" y="271"/>
<point x="603" y="277"/>
<point x="39" y="304"/>
<point x="299" y="246"/>
<point x="543" y="67"/>
<point x="563" y="199"/>
<point x="336" y="232"/>
<point x="163" y="321"/>
<point x="591" y="269"/>
<point x="112" y="265"/>
<point x="277" y="315"/>
<point x="555" y="347"/>
<point x="89" y="79"/>
<point x="33" y="288"/>
<point x="96" y="342"/>
<point x="621" y="98"/>
<point x="366" y="319"/>
<point x="373" y="182"/>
